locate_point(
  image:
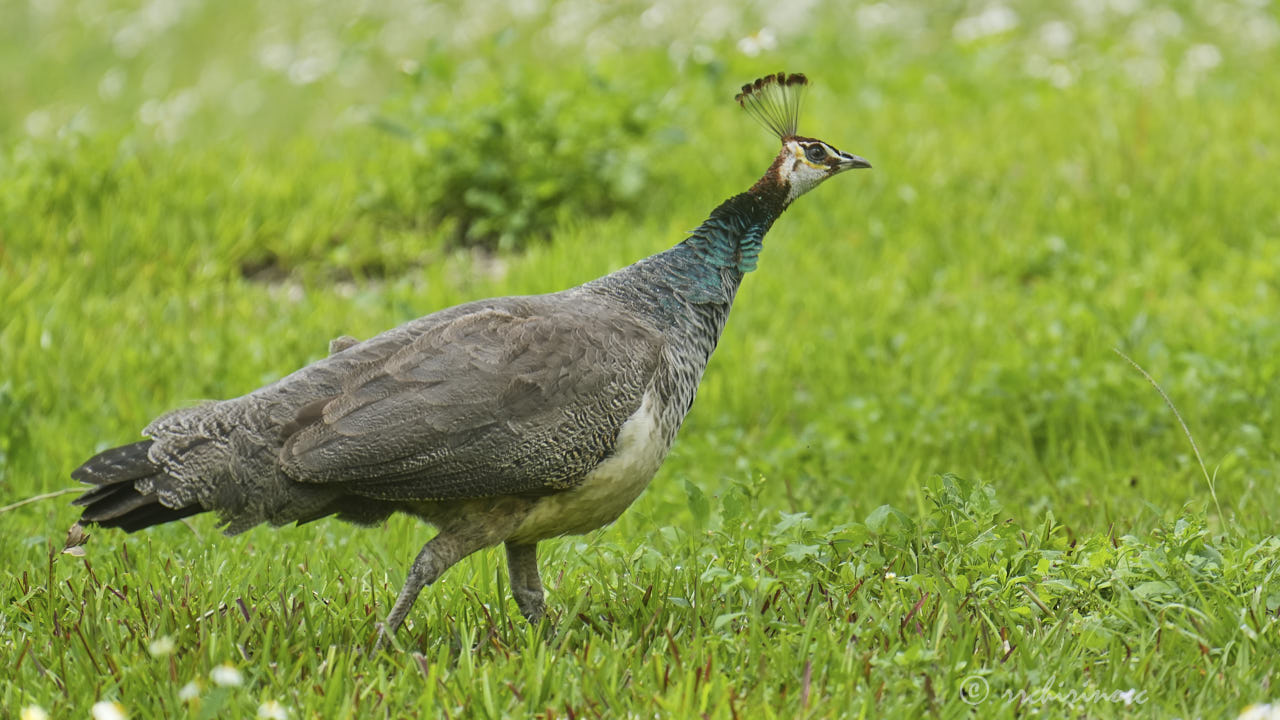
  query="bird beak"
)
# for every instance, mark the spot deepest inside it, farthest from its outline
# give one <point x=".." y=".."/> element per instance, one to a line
<point x="848" y="162"/>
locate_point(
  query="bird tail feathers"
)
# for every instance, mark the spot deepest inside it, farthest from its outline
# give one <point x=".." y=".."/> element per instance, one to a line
<point x="116" y="500"/>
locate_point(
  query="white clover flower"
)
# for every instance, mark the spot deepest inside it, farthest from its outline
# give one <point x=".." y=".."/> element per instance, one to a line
<point x="1261" y="711"/>
<point x="891" y="575"/>
<point x="108" y="710"/>
<point x="753" y="45"/>
<point x="1203" y="57"/>
<point x="190" y="691"/>
<point x="162" y="646"/>
<point x="112" y="84"/>
<point x="993" y="20"/>
<point x="276" y="56"/>
<point x="272" y="710"/>
<point x="226" y="675"/>
<point x="39" y="123"/>
<point x="1057" y="36"/>
<point x="33" y="712"/>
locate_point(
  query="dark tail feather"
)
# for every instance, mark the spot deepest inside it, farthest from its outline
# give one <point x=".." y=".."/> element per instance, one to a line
<point x="117" y="465"/>
<point x="152" y="514"/>
<point x="116" y="501"/>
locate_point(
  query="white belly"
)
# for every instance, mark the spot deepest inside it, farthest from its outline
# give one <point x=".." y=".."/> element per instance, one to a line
<point x="609" y="488"/>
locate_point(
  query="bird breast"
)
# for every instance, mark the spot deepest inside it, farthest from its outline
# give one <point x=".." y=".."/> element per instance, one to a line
<point x="610" y="487"/>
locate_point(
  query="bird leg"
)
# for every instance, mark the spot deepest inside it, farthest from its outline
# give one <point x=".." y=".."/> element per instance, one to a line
<point x="468" y="528"/>
<point x="526" y="584"/>
<point x="438" y="555"/>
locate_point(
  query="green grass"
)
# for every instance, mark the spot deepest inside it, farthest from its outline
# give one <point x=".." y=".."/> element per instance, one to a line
<point x="915" y="468"/>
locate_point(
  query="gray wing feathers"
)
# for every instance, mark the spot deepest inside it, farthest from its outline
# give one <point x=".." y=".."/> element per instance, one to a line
<point x="525" y="396"/>
<point x="224" y="455"/>
<point x="499" y="396"/>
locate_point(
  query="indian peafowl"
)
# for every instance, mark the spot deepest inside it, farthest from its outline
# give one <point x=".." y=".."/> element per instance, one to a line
<point x="510" y="420"/>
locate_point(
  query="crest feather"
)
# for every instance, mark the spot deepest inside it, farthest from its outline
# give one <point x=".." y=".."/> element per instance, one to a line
<point x="774" y="100"/>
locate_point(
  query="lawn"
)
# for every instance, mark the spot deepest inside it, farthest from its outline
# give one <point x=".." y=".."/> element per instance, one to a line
<point x="919" y="479"/>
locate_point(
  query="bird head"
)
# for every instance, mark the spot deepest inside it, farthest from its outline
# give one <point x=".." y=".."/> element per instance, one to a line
<point x="804" y="162"/>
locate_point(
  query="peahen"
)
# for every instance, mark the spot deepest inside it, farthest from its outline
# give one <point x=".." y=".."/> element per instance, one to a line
<point x="509" y="420"/>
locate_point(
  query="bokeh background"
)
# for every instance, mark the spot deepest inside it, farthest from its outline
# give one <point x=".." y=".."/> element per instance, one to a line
<point x="196" y="196"/>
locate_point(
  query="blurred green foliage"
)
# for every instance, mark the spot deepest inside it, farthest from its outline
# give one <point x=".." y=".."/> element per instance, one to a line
<point x="505" y="164"/>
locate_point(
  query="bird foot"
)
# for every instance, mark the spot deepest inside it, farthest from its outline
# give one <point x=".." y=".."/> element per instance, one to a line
<point x="385" y="641"/>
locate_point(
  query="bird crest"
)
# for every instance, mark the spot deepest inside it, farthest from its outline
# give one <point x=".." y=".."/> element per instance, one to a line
<point x="774" y="100"/>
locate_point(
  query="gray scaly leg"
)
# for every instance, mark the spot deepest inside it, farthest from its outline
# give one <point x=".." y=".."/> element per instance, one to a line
<point x="526" y="584"/>
<point x="435" y="557"/>
<point x="470" y="529"/>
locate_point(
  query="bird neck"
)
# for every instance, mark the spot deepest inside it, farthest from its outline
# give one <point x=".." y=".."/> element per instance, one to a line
<point x="733" y="236"/>
<point x="687" y="291"/>
<point x="690" y="287"/>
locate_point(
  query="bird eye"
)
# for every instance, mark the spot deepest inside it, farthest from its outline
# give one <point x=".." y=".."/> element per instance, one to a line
<point x="815" y="153"/>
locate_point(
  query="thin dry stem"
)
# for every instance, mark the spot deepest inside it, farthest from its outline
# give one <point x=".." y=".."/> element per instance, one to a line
<point x="38" y="498"/>
<point x="1209" y="480"/>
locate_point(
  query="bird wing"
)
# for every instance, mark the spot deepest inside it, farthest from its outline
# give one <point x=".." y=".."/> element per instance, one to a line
<point x="526" y="396"/>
